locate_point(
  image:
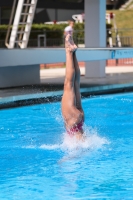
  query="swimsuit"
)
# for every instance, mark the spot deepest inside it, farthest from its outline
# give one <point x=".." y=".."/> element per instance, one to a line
<point x="76" y="128"/>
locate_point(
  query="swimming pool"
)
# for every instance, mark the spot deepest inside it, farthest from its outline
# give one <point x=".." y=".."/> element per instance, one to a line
<point x="39" y="162"/>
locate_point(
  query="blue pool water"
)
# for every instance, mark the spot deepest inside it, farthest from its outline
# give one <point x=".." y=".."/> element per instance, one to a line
<point x="38" y="161"/>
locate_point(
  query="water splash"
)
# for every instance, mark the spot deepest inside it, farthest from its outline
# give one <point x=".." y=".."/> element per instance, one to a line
<point x="50" y="147"/>
<point x="72" y="148"/>
<point x="70" y="144"/>
<point x="90" y="142"/>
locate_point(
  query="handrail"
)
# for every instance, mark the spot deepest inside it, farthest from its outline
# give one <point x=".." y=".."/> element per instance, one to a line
<point x="10" y="22"/>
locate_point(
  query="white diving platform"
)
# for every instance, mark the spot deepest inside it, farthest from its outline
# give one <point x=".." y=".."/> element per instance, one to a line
<point x="36" y="56"/>
<point x="20" y="67"/>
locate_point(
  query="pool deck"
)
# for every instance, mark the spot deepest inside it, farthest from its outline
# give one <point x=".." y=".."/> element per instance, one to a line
<point x="117" y="79"/>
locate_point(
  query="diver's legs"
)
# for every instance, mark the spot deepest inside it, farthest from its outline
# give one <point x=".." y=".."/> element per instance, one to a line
<point x="70" y="113"/>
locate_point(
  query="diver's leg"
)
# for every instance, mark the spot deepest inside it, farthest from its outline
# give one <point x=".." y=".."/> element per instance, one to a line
<point x="77" y="84"/>
<point x="68" y="99"/>
<point x="70" y="73"/>
<point x="79" y="136"/>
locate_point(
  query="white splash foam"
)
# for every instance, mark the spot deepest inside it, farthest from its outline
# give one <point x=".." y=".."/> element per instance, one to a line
<point x="50" y="147"/>
<point x="90" y="142"/>
<point x="70" y="144"/>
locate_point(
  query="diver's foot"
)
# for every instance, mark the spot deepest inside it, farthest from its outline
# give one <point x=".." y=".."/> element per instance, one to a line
<point x="69" y="44"/>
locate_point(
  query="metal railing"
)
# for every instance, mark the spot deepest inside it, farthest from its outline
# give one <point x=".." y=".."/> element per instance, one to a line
<point x="123" y="35"/>
<point x="10" y="23"/>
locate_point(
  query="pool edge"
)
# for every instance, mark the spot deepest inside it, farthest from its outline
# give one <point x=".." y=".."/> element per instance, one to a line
<point x="54" y="96"/>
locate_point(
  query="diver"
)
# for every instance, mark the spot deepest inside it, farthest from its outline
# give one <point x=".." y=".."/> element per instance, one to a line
<point x="72" y="110"/>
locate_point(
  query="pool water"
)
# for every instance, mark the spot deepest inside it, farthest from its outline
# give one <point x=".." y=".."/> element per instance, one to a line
<point x="38" y="161"/>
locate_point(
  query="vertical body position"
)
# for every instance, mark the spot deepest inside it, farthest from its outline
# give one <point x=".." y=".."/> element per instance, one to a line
<point x="71" y="101"/>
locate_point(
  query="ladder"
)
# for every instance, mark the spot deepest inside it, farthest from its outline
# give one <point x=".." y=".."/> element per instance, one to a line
<point x="18" y="33"/>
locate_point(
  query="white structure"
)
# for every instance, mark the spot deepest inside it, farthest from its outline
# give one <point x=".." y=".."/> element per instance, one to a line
<point x="21" y="67"/>
<point x="24" y="16"/>
<point x="78" y="18"/>
<point x="95" y="34"/>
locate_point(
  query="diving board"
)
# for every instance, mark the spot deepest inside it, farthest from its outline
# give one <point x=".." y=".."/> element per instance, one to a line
<point x="25" y="57"/>
<point x="19" y="67"/>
